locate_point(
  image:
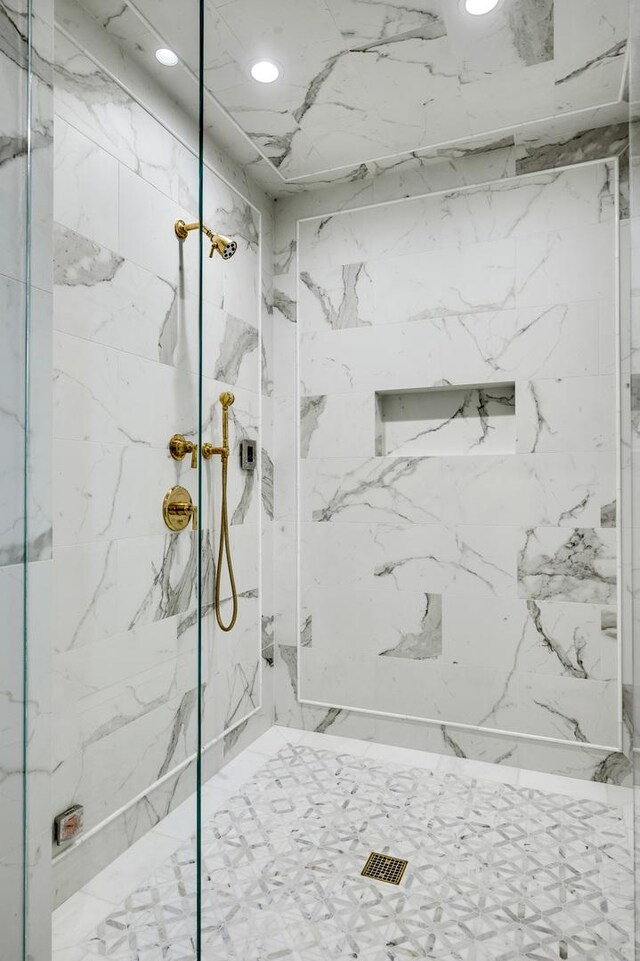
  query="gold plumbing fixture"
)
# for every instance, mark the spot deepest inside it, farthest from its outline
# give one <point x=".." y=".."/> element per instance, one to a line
<point x="208" y="450"/>
<point x="224" y="245"/>
<point x="179" y="447"/>
<point x="224" y="549"/>
<point x="178" y="509"/>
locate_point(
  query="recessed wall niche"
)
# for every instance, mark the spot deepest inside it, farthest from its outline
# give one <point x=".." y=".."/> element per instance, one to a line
<point x="467" y="419"/>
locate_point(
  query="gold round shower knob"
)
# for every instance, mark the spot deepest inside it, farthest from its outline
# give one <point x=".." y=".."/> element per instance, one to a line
<point x="178" y="509"/>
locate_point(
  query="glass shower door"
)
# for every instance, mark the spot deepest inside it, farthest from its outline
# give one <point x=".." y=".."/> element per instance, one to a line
<point x="235" y="514"/>
<point x="25" y="524"/>
<point x="126" y="470"/>
<point x="14" y="319"/>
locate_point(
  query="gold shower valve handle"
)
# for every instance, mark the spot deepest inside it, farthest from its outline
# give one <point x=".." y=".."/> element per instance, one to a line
<point x="178" y="509"/>
<point x="179" y="447"/>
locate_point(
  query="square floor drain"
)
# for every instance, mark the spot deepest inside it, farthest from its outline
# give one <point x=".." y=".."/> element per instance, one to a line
<point x="383" y="867"/>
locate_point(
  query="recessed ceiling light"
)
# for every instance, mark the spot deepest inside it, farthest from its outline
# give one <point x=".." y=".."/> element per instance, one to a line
<point x="478" y="7"/>
<point x="166" y="57"/>
<point x="265" y="71"/>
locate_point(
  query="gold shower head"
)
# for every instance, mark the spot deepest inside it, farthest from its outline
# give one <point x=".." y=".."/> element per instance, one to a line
<point x="224" y="245"/>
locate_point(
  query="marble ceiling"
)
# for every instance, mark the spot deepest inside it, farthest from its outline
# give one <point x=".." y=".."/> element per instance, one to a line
<point x="371" y="81"/>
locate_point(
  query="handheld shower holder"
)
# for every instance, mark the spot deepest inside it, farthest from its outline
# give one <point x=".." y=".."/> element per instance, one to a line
<point x="208" y="450"/>
<point x="224" y="549"/>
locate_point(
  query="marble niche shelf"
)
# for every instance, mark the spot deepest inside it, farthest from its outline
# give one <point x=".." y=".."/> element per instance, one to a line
<point x="445" y="421"/>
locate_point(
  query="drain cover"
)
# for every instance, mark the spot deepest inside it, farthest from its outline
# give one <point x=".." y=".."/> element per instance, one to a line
<point x="383" y="867"/>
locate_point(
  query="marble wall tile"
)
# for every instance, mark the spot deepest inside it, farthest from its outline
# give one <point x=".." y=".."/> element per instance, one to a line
<point x="233" y="669"/>
<point x="239" y="280"/>
<point x="577" y="413"/>
<point x="566" y="265"/>
<point x="466" y="279"/>
<point x="556" y="489"/>
<point x="586" y="65"/>
<point x="113" y="773"/>
<point x="150" y="397"/>
<point x="84" y="594"/>
<point x="325" y="431"/>
<point x="146" y="219"/>
<point x="91" y="99"/>
<point x="560" y="489"/>
<point x="87" y="395"/>
<point x="557" y="708"/>
<point x="369" y="491"/>
<point x="93" y="475"/>
<point x="555" y="340"/>
<point x="410" y="557"/>
<point x="439" y="169"/>
<point x="364" y="623"/>
<point x="563" y="639"/>
<point x="97" y="289"/>
<point x="541" y="148"/>
<point x="373" y="26"/>
<point x="335" y="365"/>
<point x="558" y="340"/>
<point x="544" y="202"/>
<point x="156" y="578"/>
<point x="103" y="687"/>
<point x="462" y="560"/>
<point x="79" y="166"/>
<point x="575" y="565"/>
<point x="235" y="350"/>
<point x="425" y="685"/>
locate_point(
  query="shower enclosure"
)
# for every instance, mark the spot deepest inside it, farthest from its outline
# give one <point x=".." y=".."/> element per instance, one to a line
<point x="319" y="421"/>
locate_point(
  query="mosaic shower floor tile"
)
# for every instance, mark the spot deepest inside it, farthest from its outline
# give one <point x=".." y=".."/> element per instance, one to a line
<point x="495" y="873"/>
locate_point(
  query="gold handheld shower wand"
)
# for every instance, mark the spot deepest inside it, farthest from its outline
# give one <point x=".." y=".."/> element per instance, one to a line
<point x="224" y="245"/>
<point x="224" y="549"/>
